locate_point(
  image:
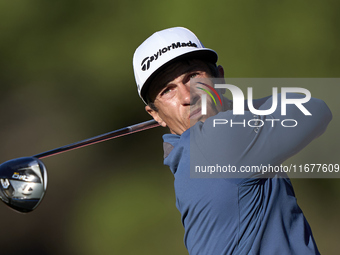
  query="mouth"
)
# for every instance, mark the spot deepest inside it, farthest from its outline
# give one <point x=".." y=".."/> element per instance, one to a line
<point x="195" y="113"/>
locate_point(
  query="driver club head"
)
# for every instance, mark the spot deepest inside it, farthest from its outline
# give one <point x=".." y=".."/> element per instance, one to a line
<point x="23" y="182"/>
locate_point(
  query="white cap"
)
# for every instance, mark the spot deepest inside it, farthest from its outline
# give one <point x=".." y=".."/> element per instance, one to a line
<point x="162" y="48"/>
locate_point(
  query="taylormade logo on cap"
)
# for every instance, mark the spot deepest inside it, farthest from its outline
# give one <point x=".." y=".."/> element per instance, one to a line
<point x="145" y="65"/>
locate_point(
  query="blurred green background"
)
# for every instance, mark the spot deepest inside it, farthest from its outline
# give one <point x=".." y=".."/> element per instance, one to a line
<point x="66" y="75"/>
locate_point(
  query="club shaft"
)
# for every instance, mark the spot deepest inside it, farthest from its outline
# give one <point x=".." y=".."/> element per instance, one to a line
<point x="100" y="138"/>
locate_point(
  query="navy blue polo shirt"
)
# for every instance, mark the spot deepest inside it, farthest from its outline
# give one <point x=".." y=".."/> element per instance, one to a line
<point x="251" y="214"/>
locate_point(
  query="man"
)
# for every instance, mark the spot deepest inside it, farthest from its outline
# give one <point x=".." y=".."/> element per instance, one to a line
<point x="244" y="215"/>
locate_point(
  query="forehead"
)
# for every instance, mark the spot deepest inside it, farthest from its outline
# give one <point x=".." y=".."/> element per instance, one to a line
<point x="173" y="71"/>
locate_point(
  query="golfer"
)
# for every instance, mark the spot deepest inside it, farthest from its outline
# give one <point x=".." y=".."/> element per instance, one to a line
<point x="245" y="215"/>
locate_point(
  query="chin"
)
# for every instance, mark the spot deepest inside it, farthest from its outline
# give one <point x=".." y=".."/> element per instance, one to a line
<point x="195" y="120"/>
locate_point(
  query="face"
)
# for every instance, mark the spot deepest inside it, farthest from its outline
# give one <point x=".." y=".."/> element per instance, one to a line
<point x="177" y="108"/>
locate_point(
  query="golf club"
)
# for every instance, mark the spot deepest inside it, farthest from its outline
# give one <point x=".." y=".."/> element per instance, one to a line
<point x="23" y="181"/>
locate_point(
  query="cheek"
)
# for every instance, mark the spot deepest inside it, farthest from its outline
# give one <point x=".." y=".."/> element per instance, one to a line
<point x="167" y="110"/>
<point x="213" y="109"/>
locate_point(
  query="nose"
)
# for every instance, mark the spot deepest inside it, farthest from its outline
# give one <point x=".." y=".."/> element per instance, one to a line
<point x="184" y="94"/>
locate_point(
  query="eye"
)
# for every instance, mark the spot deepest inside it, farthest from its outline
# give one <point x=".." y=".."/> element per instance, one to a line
<point x="165" y="91"/>
<point x="193" y="75"/>
<point x="190" y="76"/>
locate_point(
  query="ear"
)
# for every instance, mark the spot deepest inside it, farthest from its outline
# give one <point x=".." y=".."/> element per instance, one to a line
<point x="220" y="72"/>
<point x="221" y="76"/>
<point x="155" y="115"/>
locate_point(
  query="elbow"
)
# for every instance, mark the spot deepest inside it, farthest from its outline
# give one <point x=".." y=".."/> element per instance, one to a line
<point x="326" y="113"/>
<point x="323" y="115"/>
